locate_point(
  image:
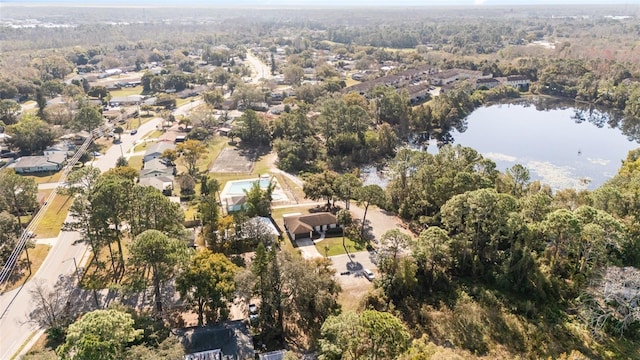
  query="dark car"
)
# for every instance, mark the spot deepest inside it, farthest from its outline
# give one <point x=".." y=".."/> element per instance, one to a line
<point x="134" y="131"/>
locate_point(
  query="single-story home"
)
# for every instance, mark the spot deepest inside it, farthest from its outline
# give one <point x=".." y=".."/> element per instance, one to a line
<point x="303" y="226"/>
<point x="156" y="150"/>
<point x="260" y="227"/>
<point x="162" y="183"/>
<point x="157" y="167"/>
<point x="272" y="355"/>
<point x="34" y="164"/>
<point x="232" y="340"/>
<point x="62" y="147"/>
<point x="126" y="100"/>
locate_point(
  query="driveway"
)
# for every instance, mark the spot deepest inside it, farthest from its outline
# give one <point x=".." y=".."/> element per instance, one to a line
<point x="354" y="263"/>
<point x="307" y="249"/>
<point x="379" y="221"/>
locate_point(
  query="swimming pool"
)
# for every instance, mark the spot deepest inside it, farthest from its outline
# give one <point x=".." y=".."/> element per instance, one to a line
<point x="238" y="187"/>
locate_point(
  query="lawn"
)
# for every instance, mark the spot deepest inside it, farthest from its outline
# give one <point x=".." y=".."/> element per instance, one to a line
<point x="126" y="91"/>
<point x="154" y="134"/>
<point x="333" y="246"/>
<point x="350" y="82"/>
<point x="51" y="223"/>
<point x="43" y="178"/>
<point x="37" y="256"/>
<point x="142" y="146"/>
<point x="135" y="162"/>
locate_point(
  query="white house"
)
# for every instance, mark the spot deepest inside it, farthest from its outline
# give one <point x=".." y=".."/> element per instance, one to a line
<point x="517" y="81"/>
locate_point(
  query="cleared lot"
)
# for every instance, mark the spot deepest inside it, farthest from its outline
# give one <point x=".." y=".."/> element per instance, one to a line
<point x="233" y="160"/>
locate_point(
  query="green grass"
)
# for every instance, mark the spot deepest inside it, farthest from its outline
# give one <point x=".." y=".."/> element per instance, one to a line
<point x="141" y="146"/>
<point x="335" y="247"/>
<point x="154" y="134"/>
<point x="51" y="223"/>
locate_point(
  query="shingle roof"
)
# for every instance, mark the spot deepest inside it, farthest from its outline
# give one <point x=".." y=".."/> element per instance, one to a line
<point x="305" y="223"/>
<point x="159" y="148"/>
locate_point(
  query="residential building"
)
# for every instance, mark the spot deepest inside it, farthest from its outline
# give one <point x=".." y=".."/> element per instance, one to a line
<point x="35" y="164"/>
<point x="518" y="81"/>
<point x="488" y="83"/>
<point x="304" y="226"/>
<point x="156" y="150"/>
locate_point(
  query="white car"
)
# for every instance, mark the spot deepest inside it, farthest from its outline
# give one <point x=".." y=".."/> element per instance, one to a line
<point x="368" y="274"/>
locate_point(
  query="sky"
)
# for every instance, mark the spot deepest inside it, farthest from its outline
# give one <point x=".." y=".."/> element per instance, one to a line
<point x="340" y="2"/>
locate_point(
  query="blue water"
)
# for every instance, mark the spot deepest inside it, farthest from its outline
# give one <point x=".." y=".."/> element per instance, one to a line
<point x="560" y="147"/>
<point x="238" y="187"/>
<point x="563" y="147"/>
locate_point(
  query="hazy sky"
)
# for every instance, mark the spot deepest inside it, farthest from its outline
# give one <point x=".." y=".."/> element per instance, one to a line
<point x="340" y="2"/>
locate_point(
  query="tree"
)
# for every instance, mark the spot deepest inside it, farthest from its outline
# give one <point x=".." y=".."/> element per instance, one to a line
<point x="169" y="349"/>
<point x="368" y="335"/>
<point x="150" y="209"/>
<point x="346" y="187"/>
<point x="119" y="130"/>
<point x="269" y="287"/>
<point x="9" y="231"/>
<point x="293" y="74"/>
<point x="274" y="66"/>
<point x="17" y="194"/>
<point x="320" y="186"/>
<point x="432" y="251"/>
<point x="560" y="227"/>
<point x="122" y="162"/>
<point x="31" y="135"/>
<point x="258" y="201"/>
<point x="82" y="180"/>
<point x="208" y="284"/>
<point x="253" y="131"/>
<point x="110" y="204"/>
<point x="9" y="110"/>
<point x="369" y="195"/>
<point x="213" y="98"/>
<point x="393" y="243"/>
<point x="159" y="252"/>
<point x="519" y="175"/>
<point x="191" y="151"/>
<point x="99" y="335"/>
<point x="87" y="118"/>
<point x="344" y="219"/>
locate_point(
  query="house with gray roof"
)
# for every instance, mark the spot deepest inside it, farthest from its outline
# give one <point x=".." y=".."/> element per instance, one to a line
<point x="35" y="164"/>
<point x="156" y="150"/>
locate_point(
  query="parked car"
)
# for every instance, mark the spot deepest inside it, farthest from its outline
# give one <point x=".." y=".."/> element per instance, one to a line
<point x="368" y="274"/>
<point x="253" y="313"/>
<point x="134" y="131"/>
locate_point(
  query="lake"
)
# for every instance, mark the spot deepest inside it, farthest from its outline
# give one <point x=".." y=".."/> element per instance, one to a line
<point x="562" y="146"/>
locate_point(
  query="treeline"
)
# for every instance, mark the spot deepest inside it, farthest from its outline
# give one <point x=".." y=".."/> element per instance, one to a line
<point x="499" y="245"/>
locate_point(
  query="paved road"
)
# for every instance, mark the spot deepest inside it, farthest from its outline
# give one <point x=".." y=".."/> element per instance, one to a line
<point x="259" y="69"/>
<point x="15" y="305"/>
